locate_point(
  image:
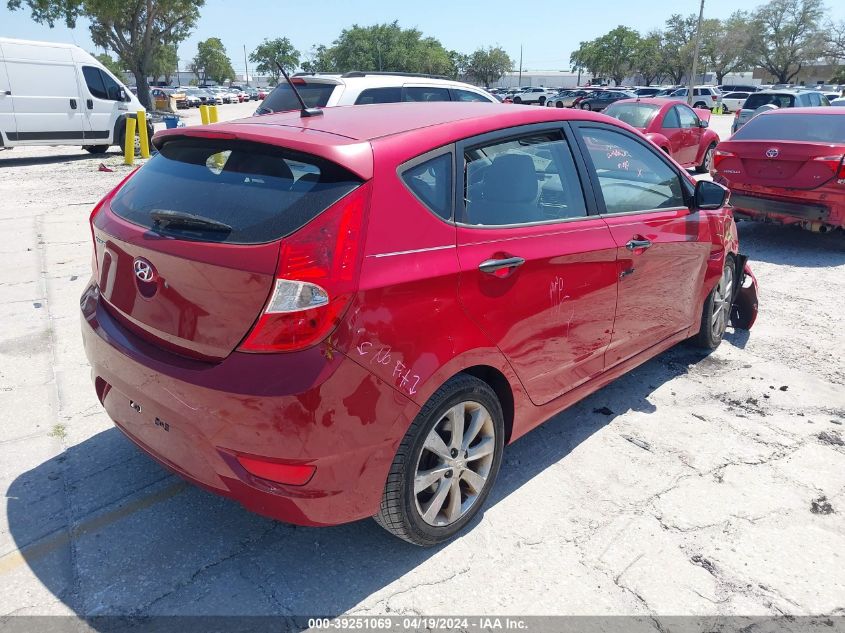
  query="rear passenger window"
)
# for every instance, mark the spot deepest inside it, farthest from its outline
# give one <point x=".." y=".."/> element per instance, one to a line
<point x="379" y="95"/>
<point x="631" y="176"/>
<point x="418" y="93"/>
<point x="528" y="179"/>
<point x="94" y="81"/>
<point x="672" y="121"/>
<point x="466" y="95"/>
<point x="431" y="182"/>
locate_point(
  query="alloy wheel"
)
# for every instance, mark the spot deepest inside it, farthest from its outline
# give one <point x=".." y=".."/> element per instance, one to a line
<point x="722" y="303"/>
<point x="454" y="464"/>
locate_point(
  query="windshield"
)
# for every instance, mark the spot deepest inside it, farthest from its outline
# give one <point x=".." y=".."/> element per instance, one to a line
<point x="637" y="115"/>
<point x="758" y="99"/>
<point x="814" y="128"/>
<point x="315" y="95"/>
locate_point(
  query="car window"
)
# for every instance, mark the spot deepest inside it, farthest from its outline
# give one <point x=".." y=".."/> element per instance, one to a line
<point x="431" y="182"/>
<point x="814" y="99"/>
<point x="417" y="93"/>
<point x="635" y="114"/>
<point x="392" y="94"/>
<point x="518" y="181"/>
<point x="672" y="120"/>
<point x="814" y="128"/>
<point x="112" y="87"/>
<point x="282" y="97"/>
<point x="687" y="117"/>
<point x="466" y="95"/>
<point x="736" y="95"/>
<point x="758" y="99"/>
<point x="94" y="81"/>
<point x="631" y="176"/>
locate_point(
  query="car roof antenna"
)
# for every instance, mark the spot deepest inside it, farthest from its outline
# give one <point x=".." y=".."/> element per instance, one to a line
<point x="304" y="110"/>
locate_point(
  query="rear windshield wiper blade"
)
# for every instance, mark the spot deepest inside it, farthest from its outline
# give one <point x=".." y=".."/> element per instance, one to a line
<point x="177" y="219"/>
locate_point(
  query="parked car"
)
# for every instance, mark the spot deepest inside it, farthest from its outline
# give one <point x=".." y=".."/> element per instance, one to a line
<point x="838" y="102"/>
<point x="367" y="88"/>
<point x="733" y="101"/>
<point x="281" y="359"/>
<point x="702" y="96"/>
<point x="601" y="100"/>
<point x="556" y="100"/>
<point x="194" y="97"/>
<point x="590" y="93"/>
<point x="567" y="98"/>
<point x="647" y="91"/>
<point x="262" y="93"/>
<point x="57" y="94"/>
<point x="739" y="88"/>
<point x="667" y="91"/>
<point x="674" y="127"/>
<point x="536" y="95"/>
<point x="788" y="166"/>
<point x="774" y="99"/>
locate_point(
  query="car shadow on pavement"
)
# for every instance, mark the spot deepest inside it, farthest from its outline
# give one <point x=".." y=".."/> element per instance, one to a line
<point x="109" y="532"/>
<point x="8" y="160"/>
<point x="786" y="245"/>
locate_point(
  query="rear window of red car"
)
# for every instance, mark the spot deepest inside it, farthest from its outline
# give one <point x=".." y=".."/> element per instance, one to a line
<point x="261" y="193"/>
<point x="813" y="128"/>
<point x="634" y="114"/>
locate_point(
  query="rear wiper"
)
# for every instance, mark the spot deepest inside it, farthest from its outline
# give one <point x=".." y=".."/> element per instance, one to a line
<point x="177" y="219"/>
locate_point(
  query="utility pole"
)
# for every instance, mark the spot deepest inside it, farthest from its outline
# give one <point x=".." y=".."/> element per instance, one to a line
<point x="520" y="66"/>
<point x="691" y="83"/>
<point x="246" y="69"/>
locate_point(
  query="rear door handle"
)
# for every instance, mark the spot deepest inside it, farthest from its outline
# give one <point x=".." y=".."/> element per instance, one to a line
<point x="8" y="93"/>
<point x="90" y="104"/>
<point x="490" y="266"/>
<point x="635" y="244"/>
<point x="73" y="104"/>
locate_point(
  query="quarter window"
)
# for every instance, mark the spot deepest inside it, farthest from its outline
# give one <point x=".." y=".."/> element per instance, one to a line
<point x="524" y="180"/>
<point x="687" y="117"/>
<point x="672" y="120"/>
<point x="431" y="182"/>
<point x="466" y="95"/>
<point x="631" y="176"/>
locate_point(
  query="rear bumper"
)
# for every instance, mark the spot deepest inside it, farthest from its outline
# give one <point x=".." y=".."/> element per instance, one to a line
<point x="313" y="407"/>
<point x="801" y="208"/>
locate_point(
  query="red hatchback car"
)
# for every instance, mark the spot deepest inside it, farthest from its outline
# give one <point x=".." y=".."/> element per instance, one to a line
<point x="677" y="129"/>
<point x="349" y="315"/>
<point x="787" y="166"/>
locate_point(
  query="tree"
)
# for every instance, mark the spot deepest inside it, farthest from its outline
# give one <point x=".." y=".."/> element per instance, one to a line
<point x="787" y="36"/>
<point x="164" y="63"/>
<point x="487" y="65"/>
<point x="133" y="29"/>
<point x="212" y="62"/>
<point x="587" y="57"/>
<point x="615" y="49"/>
<point x="678" y="46"/>
<point x="460" y="64"/>
<point x="726" y="45"/>
<point x="383" y="47"/>
<point x="271" y="51"/>
<point x="646" y="59"/>
<point x="112" y="64"/>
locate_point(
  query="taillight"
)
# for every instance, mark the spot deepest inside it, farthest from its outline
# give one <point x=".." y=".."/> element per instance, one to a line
<point x="97" y="208"/>
<point x="316" y="278"/>
<point x="737" y="113"/>
<point x="719" y="156"/>
<point x="836" y="164"/>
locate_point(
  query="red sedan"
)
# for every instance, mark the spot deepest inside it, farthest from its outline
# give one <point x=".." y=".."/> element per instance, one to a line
<point x="349" y="315"/>
<point x="787" y="166"/>
<point x="677" y="129"/>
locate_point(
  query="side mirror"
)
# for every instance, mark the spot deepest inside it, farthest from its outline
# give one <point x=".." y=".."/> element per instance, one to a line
<point x="703" y="124"/>
<point x="123" y="96"/>
<point x="710" y="195"/>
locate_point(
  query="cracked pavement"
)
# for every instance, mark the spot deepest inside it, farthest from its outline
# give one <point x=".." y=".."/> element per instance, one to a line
<point x="695" y="485"/>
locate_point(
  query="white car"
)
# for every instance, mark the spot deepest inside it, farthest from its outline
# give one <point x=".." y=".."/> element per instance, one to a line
<point x="838" y="102"/>
<point x="732" y="101"/>
<point x="57" y="94"/>
<point x="538" y="95"/>
<point x="702" y="96"/>
<point x="362" y="88"/>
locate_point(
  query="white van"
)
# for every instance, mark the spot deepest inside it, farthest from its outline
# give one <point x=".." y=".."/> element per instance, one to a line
<point x="57" y="94"/>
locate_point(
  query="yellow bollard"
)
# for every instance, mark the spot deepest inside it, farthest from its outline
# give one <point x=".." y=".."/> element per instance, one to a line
<point x="204" y="114"/>
<point x="129" y="143"/>
<point x="143" y="134"/>
<point x="212" y="114"/>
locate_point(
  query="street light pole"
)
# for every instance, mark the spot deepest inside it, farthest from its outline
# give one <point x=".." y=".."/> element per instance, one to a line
<point x="520" y="66"/>
<point x="691" y="83"/>
<point x="246" y="69"/>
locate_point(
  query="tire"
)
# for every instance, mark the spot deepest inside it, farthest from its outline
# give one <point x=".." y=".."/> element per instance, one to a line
<point x="96" y="149"/>
<point x="586" y="106"/>
<point x="706" y="160"/>
<point x="403" y="510"/>
<point x="517" y="99"/>
<point x="725" y="109"/>
<point x="559" y="104"/>
<point x="700" y="104"/>
<point x="542" y="101"/>
<point x="717" y="309"/>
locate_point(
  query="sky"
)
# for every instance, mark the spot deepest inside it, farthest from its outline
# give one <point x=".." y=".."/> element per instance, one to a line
<point x="548" y="30"/>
